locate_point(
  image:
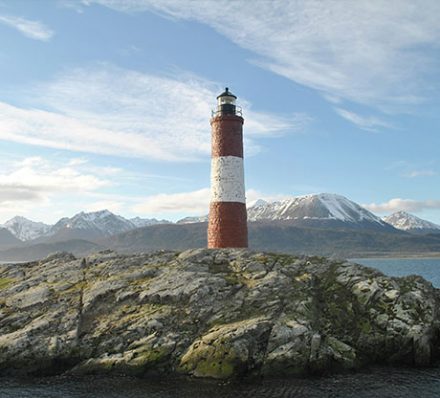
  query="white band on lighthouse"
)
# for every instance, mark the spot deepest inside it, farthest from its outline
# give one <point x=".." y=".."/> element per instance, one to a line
<point x="227" y="179"/>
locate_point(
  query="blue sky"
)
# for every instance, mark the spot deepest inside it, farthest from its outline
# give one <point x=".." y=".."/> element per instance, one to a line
<point x="106" y="103"/>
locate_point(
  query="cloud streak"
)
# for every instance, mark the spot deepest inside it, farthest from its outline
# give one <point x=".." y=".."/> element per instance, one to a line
<point x="369" y="123"/>
<point x="408" y="205"/>
<point x="420" y="173"/>
<point x="115" y="111"/>
<point x="32" y="29"/>
<point x="192" y="203"/>
<point x="367" y="52"/>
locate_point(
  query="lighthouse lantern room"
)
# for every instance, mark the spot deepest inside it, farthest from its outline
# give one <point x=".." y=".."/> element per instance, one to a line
<point x="226" y="103"/>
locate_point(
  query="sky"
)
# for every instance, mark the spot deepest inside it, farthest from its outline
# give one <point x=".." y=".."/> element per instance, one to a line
<point x="105" y="104"/>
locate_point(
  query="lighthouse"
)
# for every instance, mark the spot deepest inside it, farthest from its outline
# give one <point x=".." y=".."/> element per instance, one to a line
<point x="227" y="211"/>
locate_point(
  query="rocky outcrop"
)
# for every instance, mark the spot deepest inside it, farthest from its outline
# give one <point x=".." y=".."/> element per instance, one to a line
<point x="210" y="313"/>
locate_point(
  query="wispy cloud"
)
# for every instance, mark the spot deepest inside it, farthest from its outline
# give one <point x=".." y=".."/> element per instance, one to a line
<point x="398" y="204"/>
<point x="33" y="29"/>
<point x="369" y="123"/>
<point x="76" y="5"/>
<point x="109" y="110"/>
<point x="192" y="203"/>
<point x="367" y="52"/>
<point x="409" y="169"/>
<point x="420" y="173"/>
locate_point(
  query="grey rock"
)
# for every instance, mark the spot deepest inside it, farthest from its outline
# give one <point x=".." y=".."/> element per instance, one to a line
<point x="211" y="313"/>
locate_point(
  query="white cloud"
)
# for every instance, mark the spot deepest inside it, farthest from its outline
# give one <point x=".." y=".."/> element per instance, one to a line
<point x="33" y="182"/>
<point x="398" y="204"/>
<point x="370" y="123"/>
<point x="381" y="53"/>
<point x="45" y="190"/>
<point x="32" y="29"/>
<point x="109" y="110"/>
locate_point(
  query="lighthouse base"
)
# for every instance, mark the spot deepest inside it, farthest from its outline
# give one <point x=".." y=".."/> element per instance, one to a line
<point x="227" y="225"/>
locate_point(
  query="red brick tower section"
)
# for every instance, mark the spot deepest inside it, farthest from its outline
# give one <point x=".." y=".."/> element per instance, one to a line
<point x="227" y="213"/>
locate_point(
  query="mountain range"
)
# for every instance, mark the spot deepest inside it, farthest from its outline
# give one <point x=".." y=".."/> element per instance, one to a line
<point x="88" y="226"/>
<point x="328" y="210"/>
<point x="312" y="224"/>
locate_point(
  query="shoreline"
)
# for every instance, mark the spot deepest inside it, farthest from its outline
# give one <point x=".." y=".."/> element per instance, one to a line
<point x="365" y="256"/>
<point x="243" y="379"/>
<point x="397" y="257"/>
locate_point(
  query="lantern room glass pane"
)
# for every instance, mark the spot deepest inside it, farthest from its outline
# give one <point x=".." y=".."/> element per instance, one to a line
<point x="226" y="100"/>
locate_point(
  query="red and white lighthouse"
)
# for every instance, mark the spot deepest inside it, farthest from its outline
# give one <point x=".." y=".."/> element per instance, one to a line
<point x="227" y="212"/>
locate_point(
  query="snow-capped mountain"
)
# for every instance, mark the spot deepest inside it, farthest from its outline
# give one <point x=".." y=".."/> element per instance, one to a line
<point x="323" y="206"/>
<point x="81" y="226"/>
<point x="192" y="220"/>
<point x="411" y="223"/>
<point x="259" y="202"/>
<point x="25" y="229"/>
<point x="98" y="224"/>
<point x="102" y="222"/>
<point x="323" y="209"/>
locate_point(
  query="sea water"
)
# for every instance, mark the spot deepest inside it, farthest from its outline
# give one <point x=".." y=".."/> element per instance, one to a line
<point x="377" y="382"/>
<point x="429" y="268"/>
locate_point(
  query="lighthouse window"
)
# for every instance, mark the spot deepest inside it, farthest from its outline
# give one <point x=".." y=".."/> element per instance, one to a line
<point x="226" y="100"/>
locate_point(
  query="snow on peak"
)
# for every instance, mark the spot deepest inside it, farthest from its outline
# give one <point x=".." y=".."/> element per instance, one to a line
<point x="145" y="222"/>
<point x="94" y="215"/>
<point x="324" y="206"/>
<point x="25" y="229"/>
<point x="406" y="221"/>
<point x="103" y="221"/>
<point x="259" y="202"/>
<point x="192" y="220"/>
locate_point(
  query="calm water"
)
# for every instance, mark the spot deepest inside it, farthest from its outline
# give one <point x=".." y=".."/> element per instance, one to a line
<point x="377" y="382"/>
<point x="380" y="382"/>
<point x="429" y="268"/>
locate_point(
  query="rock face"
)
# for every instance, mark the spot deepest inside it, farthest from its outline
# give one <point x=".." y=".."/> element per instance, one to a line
<point x="210" y="313"/>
